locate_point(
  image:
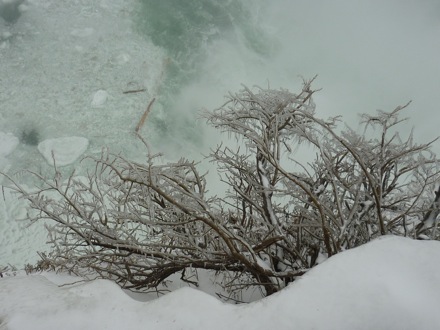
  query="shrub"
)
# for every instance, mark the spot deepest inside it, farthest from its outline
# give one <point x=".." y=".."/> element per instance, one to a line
<point x="139" y="223"/>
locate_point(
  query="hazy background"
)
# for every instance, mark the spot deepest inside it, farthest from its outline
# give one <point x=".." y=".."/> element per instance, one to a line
<point x="368" y="55"/>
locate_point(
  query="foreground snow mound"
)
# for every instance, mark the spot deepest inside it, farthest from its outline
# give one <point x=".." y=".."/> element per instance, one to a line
<point x="391" y="283"/>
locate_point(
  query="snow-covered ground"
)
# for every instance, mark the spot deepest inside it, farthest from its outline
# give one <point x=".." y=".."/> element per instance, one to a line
<point x="391" y="283"/>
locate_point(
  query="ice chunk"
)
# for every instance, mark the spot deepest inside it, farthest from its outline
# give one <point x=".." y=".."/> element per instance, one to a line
<point x="82" y="33"/>
<point x="66" y="150"/>
<point x="99" y="98"/>
<point x="122" y="59"/>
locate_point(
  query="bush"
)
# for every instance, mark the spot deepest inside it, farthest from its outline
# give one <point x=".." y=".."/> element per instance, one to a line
<point x="140" y="223"/>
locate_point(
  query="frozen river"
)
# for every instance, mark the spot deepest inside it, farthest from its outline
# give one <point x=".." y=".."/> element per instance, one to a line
<point x="77" y="75"/>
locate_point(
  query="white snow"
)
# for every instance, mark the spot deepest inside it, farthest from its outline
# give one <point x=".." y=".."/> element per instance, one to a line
<point x="65" y="150"/>
<point x="391" y="283"/>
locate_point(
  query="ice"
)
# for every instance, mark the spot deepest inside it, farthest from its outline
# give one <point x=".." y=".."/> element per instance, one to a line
<point x="99" y="98"/>
<point x="65" y="150"/>
<point x="61" y="63"/>
<point x="122" y="59"/>
<point x="82" y="33"/>
<point x="5" y="35"/>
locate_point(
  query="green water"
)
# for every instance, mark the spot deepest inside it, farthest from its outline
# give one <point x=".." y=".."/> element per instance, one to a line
<point x="188" y="31"/>
<point x="185" y="30"/>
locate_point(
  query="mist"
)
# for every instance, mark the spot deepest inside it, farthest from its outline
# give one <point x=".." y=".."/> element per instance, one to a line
<point x="366" y="55"/>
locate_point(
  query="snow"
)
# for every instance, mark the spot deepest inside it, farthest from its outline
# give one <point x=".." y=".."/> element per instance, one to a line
<point x="65" y="150"/>
<point x="390" y="283"/>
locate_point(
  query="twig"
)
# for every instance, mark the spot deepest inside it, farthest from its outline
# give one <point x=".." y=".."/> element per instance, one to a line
<point x="72" y="283"/>
<point x="226" y="298"/>
<point x="144" y="116"/>
<point x="134" y="91"/>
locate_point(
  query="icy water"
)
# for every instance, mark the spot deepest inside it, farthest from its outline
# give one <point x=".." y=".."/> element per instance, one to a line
<point x="89" y="68"/>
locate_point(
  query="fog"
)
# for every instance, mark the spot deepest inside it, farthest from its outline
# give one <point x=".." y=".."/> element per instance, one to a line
<point x="368" y="55"/>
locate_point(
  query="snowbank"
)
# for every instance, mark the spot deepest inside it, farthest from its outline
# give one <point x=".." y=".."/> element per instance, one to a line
<point x="391" y="283"/>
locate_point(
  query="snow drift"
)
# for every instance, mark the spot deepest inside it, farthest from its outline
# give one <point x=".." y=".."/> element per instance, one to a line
<point x="391" y="283"/>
